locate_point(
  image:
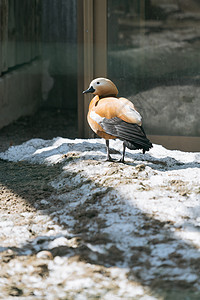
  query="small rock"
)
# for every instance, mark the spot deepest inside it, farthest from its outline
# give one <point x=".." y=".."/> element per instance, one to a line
<point x="44" y="202"/>
<point x="44" y="254"/>
<point x="15" y="291"/>
<point x="140" y="168"/>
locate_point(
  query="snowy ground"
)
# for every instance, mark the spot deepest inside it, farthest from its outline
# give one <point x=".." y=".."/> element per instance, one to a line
<point x="107" y="230"/>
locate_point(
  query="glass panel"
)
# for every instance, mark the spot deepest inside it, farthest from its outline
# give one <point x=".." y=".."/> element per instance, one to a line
<point x="59" y="49"/>
<point x="154" y="59"/>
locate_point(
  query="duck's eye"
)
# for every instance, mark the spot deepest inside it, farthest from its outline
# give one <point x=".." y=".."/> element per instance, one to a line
<point x="98" y="82"/>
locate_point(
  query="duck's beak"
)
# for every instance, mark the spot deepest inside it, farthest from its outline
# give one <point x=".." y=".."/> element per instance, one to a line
<point x="89" y="90"/>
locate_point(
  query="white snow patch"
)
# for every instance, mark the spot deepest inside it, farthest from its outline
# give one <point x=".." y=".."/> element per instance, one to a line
<point x="149" y="208"/>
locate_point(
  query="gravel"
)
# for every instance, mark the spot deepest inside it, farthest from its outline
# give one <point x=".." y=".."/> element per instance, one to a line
<point x="73" y="226"/>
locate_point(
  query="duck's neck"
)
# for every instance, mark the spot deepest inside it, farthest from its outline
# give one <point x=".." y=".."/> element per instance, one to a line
<point x="111" y="95"/>
<point x="96" y="99"/>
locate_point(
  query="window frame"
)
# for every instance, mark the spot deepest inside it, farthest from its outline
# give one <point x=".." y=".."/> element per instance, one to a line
<point x="92" y="63"/>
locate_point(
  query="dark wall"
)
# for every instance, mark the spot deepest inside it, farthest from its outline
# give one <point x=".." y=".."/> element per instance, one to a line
<point x="20" y="64"/>
<point x="20" y="28"/>
<point x="59" y="48"/>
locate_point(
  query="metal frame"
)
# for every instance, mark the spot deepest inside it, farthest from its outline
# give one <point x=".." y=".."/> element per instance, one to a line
<point x="92" y="63"/>
<point x="92" y="53"/>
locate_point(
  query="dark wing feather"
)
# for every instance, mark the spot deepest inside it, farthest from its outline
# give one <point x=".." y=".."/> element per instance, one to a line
<point x="132" y="134"/>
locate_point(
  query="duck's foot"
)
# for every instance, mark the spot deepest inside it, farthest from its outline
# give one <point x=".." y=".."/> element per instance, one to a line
<point x="121" y="160"/>
<point x="109" y="158"/>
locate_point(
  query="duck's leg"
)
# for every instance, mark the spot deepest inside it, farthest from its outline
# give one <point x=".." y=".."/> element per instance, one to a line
<point x="108" y="157"/>
<point x="123" y="154"/>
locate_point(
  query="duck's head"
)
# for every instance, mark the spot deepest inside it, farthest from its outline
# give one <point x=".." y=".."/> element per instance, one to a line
<point x="102" y="87"/>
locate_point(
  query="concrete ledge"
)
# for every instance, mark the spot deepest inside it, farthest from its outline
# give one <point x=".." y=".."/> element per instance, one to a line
<point x="20" y="92"/>
<point x="183" y="143"/>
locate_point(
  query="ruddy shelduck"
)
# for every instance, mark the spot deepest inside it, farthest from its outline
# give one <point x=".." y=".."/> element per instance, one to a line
<point x="111" y="117"/>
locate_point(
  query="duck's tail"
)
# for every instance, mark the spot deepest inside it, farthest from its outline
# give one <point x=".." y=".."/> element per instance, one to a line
<point x="139" y="139"/>
<point x="133" y="145"/>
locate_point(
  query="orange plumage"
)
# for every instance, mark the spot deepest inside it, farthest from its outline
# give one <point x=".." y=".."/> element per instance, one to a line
<point x="111" y="117"/>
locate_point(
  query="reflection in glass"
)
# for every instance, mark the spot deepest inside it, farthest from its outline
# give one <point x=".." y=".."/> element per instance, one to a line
<point x="154" y="59"/>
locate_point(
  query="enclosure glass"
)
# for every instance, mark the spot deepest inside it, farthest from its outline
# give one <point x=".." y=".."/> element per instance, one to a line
<point x="154" y="58"/>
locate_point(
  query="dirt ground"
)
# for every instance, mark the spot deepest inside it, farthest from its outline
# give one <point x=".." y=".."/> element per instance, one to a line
<point x="30" y="179"/>
<point x="22" y="181"/>
<point x="45" y="124"/>
<point x="76" y="267"/>
<point x="19" y="180"/>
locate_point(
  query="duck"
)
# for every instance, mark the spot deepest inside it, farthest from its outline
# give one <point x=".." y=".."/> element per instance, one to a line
<point x="111" y="117"/>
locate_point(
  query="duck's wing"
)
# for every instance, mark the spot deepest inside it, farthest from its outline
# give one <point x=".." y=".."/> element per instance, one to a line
<point x="133" y="134"/>
<point x="119" y="118"/>
<point x="127" y="112"/>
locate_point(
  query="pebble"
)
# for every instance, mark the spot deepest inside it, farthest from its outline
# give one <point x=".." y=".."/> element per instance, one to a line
<point x="44" y="254"/>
